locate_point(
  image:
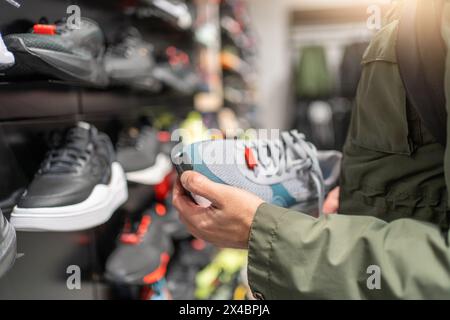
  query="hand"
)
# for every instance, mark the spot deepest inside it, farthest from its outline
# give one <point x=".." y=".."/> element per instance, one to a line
<point x="331" y="204"/>
<point x="227" y="222"/>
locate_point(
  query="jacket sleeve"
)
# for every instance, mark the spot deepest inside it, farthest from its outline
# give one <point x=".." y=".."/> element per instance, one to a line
<point x="295" y="256"/>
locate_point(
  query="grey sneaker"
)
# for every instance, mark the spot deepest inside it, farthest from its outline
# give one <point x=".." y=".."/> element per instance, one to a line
<point x="139" y="152"/>
<point x="7" y="245"/>
<point x="288" y="172"/>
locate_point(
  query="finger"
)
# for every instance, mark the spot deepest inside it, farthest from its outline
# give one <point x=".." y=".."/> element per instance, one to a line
<point x="183" y="202"/>
<point x="331" y="204"/>
<point x="178" y="189"/>
<point x="200" y="185"/>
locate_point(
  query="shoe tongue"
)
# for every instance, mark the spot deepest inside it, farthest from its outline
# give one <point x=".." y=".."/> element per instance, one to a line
<point x="80" y="135"/>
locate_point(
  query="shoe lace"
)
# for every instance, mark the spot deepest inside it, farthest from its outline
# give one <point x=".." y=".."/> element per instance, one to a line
<point x="70" y="157"/>
<point x="290" y="153"/>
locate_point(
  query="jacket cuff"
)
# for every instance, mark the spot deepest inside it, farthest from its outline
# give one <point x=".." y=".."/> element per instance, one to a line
<point x="263" y="234"/>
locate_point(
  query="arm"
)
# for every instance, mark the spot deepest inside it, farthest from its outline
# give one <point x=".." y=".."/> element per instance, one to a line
<point x="294" y="256"/>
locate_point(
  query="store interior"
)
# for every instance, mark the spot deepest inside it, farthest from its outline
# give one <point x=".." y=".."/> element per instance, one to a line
<point x="228" y="65"/>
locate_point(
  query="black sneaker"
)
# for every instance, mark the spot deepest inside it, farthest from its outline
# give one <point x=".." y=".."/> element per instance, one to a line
<point x="139" y="152"/>
<point x="191" y="256"/>
<point x="59" y="52"/>
<point x="130" y="62"/>
<point x="143" y="252"/>
<point x="172" y="224"/>
<point x="7" y="245"/>
<point x="78" y="186"/>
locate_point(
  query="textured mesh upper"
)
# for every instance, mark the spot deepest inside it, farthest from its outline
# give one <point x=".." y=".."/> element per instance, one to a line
<point x="39" y="41"/>
<point x="231" y="175"/>
<point x="301" y="188"/>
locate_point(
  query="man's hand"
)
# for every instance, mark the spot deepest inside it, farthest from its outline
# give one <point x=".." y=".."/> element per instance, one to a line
<point x="331" y="204"/>
<point x="227" y="222"/>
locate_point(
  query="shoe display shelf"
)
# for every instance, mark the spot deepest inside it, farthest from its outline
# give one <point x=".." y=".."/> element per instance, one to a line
<point x="48" y="263"/>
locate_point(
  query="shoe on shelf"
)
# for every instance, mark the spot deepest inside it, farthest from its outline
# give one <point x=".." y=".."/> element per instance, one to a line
<point x="6" y="57"/>
<point x="176" y="72"/>
<point x="7" y="245"/>
<point x="139" y="152"/>
<point x="60" y="52"/>
<point x="130" y="62"/>
<point x="79" y="185"/>
<point x="172" y="223"/>
<point x="143" y="251"/>
<point x="191" y="256"/>
<point x="286" y="171"/>
<point x="174" y="11"/>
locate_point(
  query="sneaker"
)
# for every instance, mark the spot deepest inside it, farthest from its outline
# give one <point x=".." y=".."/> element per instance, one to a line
<point x="59" y="52"/>
<point x="191" y="256"/>
<point x="286" y="172"/>
<point x="143" y="252"/>
<point x="176" y="72"/>
<point x="174" y="11"/>
<point x="7" y="245"/>
<point x="172" y="224"/>
<point x="79" y="185"/>
<point x="139" y="152"/>
<point x="130" y="62"/>
<point x="6" y="58"/>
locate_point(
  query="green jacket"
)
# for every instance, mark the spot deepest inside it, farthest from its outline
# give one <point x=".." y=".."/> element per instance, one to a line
<point x="393" y="205"/>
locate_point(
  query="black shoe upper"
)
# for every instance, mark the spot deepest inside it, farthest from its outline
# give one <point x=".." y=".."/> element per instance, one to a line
<point x="138" y="148"/>
<point x="130" y="61"/>
<point x="141" y="251"/>
<point x="70" y="172"/>
<point x="65" y="53"/>
<point x="88" y="40"/>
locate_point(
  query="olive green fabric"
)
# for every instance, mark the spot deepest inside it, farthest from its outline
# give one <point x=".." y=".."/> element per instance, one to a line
<point x="393" y="204"/>
<point x="313" y="76"/>
<point x="295" y="256"/>
<point x="392" y="166"/>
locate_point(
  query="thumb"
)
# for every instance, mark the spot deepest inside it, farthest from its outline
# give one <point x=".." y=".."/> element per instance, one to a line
<point x="200" y="185"/>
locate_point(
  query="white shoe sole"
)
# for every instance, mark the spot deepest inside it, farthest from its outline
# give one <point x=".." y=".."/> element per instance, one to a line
<point x="8" y="249"/>
<point x="92" y="212"/>
<point x="6" y="60"/>
<point x="153" y="175"/>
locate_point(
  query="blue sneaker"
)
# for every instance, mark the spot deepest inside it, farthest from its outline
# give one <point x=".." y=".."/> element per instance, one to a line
<point x="288" y="172"/>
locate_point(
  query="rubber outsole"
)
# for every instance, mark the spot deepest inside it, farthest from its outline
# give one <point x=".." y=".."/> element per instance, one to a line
<point x="92" y="212"/>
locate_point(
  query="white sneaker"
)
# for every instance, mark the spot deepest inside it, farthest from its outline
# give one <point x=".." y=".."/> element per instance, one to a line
<point x="6" y="58"/>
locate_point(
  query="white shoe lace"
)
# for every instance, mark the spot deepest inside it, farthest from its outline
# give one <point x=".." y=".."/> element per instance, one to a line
<point x="290" y="153"/>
